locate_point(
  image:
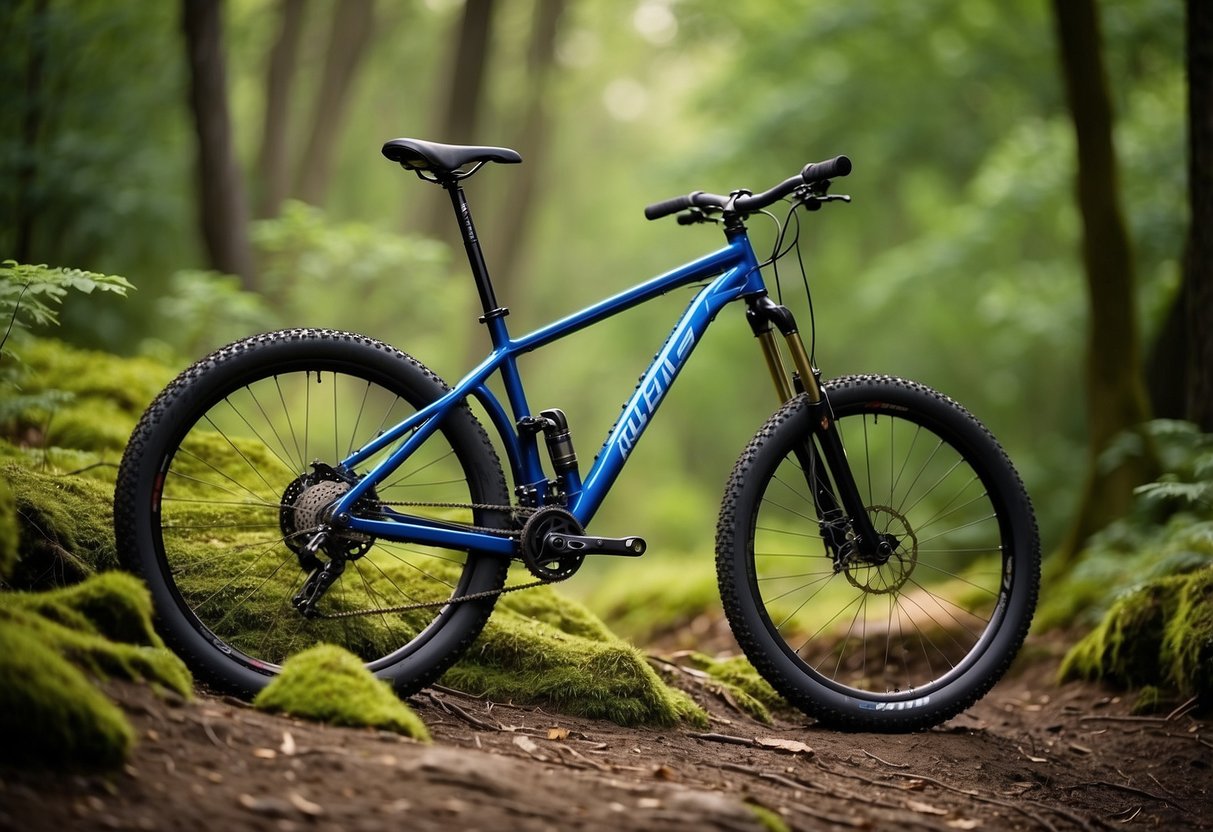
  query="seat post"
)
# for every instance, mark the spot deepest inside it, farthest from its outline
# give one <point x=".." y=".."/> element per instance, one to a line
<point x="471" y="244"/>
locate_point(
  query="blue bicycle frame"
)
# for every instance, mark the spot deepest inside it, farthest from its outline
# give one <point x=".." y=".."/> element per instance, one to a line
<point x="734" y="274"/>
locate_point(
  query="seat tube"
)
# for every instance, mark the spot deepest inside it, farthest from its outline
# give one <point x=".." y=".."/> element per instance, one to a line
<point x="471" y="244"/>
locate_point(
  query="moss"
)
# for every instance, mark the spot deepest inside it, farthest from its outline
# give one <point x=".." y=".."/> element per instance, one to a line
<point x="50" y="715"/>
<point x="108" y="392"/>
<point x="329" y="684"/>
<point x="1187" y="643"/>
<point x="8" y="530"/>
<point x="1149" y="700"/>
<point x="749" y="690"/>
<point x="669" y="595"/>
<point x="768" y="819"/>
<point x="51" y="643"/>
<point x="103" y="626"/>
<point x="1161" y="634"/>
<point x="526" y="660"/>
<point x="66" y="526"/>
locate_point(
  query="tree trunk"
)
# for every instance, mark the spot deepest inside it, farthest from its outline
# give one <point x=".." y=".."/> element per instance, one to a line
<point x="223" y="212"/>
<point x="31" y="127"/>
<point x="532" y="142"/>
<point x="1116" y="398"/>
<point x="349" y="36"/>
<point x="461" y="111"/>
<point x="273" y="161"/>
<point x="1198" y="267"/>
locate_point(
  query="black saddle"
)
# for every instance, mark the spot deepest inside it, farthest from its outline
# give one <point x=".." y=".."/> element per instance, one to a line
<point x="444" y="159"/>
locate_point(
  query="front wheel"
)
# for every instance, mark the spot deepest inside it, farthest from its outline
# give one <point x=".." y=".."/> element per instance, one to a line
<point x="892" y="643"/>
<point x="228" y="476"/>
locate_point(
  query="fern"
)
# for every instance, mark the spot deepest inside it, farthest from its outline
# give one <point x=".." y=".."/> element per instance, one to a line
<point x="30" y="295"/>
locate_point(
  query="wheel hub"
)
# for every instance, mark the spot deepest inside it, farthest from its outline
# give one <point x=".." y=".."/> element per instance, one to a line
<point x="896" y="559"/>
<point x="306" y="509"/>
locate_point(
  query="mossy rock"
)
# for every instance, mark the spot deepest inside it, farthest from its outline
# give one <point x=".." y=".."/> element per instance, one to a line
<point x="1158" y="635"/>
<point x="328" y="684"/>
<point x="737" y="676"/>
<point x="108" y="393"/>
<point x="8" y="530"/>
<point x="66" y="526"/>
<point x="50" y="714"/>
<point x="103" y="626"/>
<point x="587" y="672"/>
<point x="53" y="646"/>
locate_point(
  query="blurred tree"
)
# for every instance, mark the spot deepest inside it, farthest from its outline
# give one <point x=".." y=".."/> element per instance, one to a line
<point x="1198" y="270"/>
<point x="531" y="141"/>
<point x="31" y="123"/>
<point x="1116" y="397"/>
<point x="468" y="61"/>
<point x="223" y="211"/>
<point x="273" y="160"/>
<point x="349" y="38"/>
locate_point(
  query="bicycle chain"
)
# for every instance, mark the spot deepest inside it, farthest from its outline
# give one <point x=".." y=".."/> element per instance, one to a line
<point x="462" y="599"/>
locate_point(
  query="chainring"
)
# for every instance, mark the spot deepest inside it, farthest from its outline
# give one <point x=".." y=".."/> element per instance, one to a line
<point x="549" y="566"/>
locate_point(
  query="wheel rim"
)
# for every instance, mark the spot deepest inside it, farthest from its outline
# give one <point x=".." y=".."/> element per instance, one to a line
<point x="233" y="490"/>
<point x="903" y="628"/>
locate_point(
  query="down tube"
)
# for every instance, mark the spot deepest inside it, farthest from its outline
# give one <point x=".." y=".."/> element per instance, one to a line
<point x="653" y="386"/>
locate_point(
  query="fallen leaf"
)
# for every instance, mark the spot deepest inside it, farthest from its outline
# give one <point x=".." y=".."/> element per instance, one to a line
<point x="925" y="808"/>
<point x="964" y="823"/>
<point x="526" y="743"/>
<point x="558" y="733"/>
<point x="665" y="773"/>
<point x="790" y="746"/>
<point x="288" y="744"/>
<point x="265" y="753"/>
<point x="648" y="803"/>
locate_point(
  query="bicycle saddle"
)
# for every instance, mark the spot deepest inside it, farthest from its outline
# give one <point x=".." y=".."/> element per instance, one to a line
<point x="415" y="154"/>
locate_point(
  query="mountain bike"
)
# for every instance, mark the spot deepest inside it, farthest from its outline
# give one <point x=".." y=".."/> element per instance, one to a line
<point x="877" y="554"/>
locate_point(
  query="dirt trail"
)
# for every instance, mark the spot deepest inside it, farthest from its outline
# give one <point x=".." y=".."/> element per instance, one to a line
<point x="1030" y="756"/>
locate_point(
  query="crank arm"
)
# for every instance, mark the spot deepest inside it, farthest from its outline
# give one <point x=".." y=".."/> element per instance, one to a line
<point x="557" y="544"/>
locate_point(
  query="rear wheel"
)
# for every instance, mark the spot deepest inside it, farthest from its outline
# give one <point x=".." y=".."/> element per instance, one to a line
<point x="894" y="643"/>
<point x="228" y="476"/>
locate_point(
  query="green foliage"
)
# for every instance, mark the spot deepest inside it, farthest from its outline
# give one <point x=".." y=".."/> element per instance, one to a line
<point x="328" y="684"/>
<point x="51" y="645"/>
<point x="203" y="310"/>
<point x="352" y="275"/>
<point x="1168" y="532"/>
<point x="29" y="295"/>
<point x="768" y="819"/>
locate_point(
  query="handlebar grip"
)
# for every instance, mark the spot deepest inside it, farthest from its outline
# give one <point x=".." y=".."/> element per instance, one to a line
<point x="829" y="169"/>
<point x="670" y="206"/>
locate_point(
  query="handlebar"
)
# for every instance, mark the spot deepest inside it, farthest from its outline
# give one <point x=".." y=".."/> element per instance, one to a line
<point x="747" y="204"/>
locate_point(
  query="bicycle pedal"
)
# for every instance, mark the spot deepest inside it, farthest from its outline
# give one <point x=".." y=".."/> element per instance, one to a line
<point x="558" y="543"/>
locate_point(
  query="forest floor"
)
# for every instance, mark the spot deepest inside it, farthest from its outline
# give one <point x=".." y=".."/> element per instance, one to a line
<point x="1031" y="755"/>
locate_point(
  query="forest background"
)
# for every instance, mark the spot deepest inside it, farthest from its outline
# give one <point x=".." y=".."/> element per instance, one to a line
<point x="957" y="265"/>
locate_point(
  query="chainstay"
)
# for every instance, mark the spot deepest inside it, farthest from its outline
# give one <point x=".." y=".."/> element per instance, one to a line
<point x="462" y="599"/>
<point x="521" y="511"/>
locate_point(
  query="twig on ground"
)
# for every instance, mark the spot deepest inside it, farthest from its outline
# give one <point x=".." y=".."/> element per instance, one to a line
<point x="1183" y="709"/>
<point x="725" y="738"/>
<point x="886" y="762"/>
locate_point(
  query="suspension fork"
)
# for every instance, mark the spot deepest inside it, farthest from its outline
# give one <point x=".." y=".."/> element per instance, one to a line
<point x="842" y="502"/>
